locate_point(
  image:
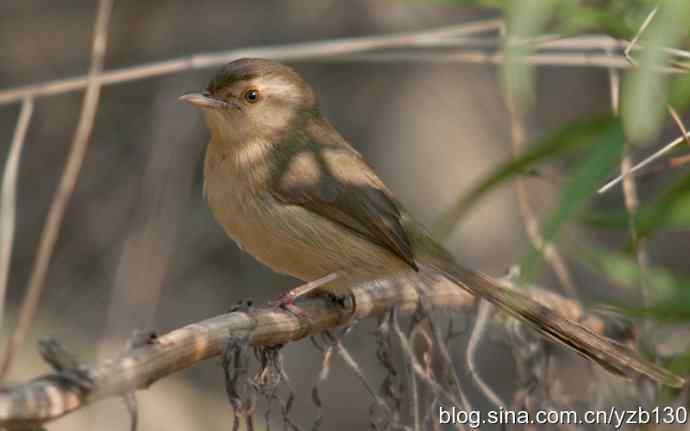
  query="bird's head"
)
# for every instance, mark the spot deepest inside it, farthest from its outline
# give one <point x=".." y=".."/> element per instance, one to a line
<point x="251" y="98"/>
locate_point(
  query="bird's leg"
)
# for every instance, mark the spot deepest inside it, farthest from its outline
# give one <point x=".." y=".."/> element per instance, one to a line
<point x="287" y="301"/>
<point x="290" y="297"/>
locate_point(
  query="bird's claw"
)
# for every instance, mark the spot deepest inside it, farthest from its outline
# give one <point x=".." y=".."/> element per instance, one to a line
<point x="287" y="303"/>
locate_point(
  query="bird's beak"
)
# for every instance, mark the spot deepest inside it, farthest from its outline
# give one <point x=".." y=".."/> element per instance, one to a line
<point x="203" y="100"/>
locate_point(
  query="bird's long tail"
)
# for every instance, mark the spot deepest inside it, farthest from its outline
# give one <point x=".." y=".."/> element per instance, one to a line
<point x="612" y="356"/>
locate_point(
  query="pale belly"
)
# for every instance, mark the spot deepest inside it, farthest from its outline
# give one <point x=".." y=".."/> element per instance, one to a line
<point x="292" y="240"/>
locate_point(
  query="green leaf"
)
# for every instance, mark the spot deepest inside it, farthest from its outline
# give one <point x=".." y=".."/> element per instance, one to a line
<point x="679" y="92"/>
<point x="574" y="137"/>
<point x="671" y="297"/>
<point x="605" y="151"/>
<point x="620" y="18"/>
<point x="671" y="209"/>
<point x="645" y="90"/>
<point x="626" y="272"/>
<point x="526" y="20"/>
<point x="606" y="219"/>
<point x="681" y="364"/>
<point x="669" y="294"/>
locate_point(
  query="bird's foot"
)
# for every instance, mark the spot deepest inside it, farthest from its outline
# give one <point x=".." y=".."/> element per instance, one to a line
<point x="287" y="302"/>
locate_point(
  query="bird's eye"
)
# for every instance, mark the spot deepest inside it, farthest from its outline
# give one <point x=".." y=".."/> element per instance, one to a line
<point x="251" y="95"/>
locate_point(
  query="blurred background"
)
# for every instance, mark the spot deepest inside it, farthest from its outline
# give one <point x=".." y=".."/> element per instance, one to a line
<point x="140" y="249"/>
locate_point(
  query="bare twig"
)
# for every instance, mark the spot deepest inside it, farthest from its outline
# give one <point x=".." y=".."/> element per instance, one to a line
<point x="49" y="397"/>
<point x="323" y="375"/>
<point x="630" y="197"/>
<point x="448" y="366"/>
<point x="666" y="149"/>
<point x="235" y="368"/>
<point x="601" y="41"/>
<point x="345" y="48"/>
<point x="8" y="209"/>
<point x="427" y="356"/>
<point x="296" y="51"/>
<point x="633" y="42"/>
<point x="391" y="387"/>
<point x="679" y="161"/>
<point x="416" y="366"/>
<point x="141" y="366"/>
<point x="65" y="188"/>
<point x="352" y="363"/>
<point x="627" y="169"/>
<point x="413" y="391"/>
<point x="574" y="59"/>
<point x="679" y="123"/>
<point x="472" y="346"/>
<point x="549" y="250"/>
<point x="614" y="89"/>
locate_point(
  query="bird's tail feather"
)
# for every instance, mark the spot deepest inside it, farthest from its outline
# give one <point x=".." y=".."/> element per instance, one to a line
<point x="607" y="353"/>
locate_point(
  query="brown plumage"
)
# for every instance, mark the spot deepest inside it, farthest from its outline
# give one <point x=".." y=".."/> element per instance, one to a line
<point x="291" y="191"/>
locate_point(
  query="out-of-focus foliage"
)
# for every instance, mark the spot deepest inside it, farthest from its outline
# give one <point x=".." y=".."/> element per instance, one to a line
<point x="604" y="149"/>
<point x="619" y="18"/>
<point x="672" y="209"/>
<point x="647" y="89"/>
<point x="644" y="90"/>
<point x="577" y="137"/>
<point x="526" y="20"/>
<point x="669" y="211"/>
<point x="669" y="293"/>
<point x="679" y="91"/>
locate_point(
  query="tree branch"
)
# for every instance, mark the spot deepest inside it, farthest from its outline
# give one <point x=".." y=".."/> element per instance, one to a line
<point x="51" y="396"/>
<point x="295" y="51"/>
<point x="552" y="50"/>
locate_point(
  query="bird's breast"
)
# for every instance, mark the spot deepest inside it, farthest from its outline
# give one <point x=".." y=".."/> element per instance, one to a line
<point x="288" y="238"/>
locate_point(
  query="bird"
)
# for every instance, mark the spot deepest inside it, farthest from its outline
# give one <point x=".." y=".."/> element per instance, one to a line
<point x="290" y="190"/>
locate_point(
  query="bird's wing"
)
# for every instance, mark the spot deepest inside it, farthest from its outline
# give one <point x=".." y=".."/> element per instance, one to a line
<point x="331" y="179"/>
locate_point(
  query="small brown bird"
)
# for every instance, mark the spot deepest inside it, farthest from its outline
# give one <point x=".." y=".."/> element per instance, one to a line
<point x="290" y="190"/>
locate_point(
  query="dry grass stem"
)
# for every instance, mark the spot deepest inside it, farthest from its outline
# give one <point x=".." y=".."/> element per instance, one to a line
<point x="49" y="397"/>
<point x="420" y="371"/>
<point x="630" y="196"/>
<point x="550" y="252"/>
<point x="679" y="123"/>
<point x="478" y="331"/>
<point x="8" y="208"/>
<point x="661" y="152"/>
<point x="345" y="49"/>
<point x="297" y="51"/>
<point x="65" y="188"/>
<point x="627" y="169"/>
<point x="635" y="39"/>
